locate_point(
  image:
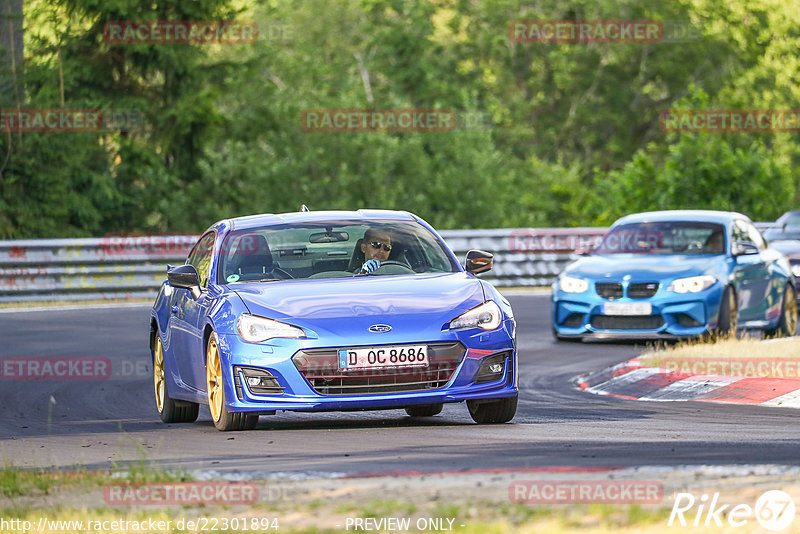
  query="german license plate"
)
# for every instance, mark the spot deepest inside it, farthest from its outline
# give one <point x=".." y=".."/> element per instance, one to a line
<point x="381" y="357"/>
<point x="627" y="308"/>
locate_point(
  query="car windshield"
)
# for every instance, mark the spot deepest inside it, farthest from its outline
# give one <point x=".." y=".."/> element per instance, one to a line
<point x="789" y="219"/>
<point x="334" y="249"/>
<point x="671" y="237"/>
<point x="782" y="234"/>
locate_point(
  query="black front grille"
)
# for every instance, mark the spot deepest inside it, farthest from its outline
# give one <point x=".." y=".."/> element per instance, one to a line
<point x="573" y="320"/>
<point x="627" y="322"/>
<point x="320" y="367"/>
<point x="642" y="290"/>
<point x="609" y="290"/>
<point x="686" y="320"/>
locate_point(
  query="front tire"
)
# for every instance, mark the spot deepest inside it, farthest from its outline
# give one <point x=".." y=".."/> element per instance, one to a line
<point x="424" y="410"/>
<point x="493" y="412"/>
<point x="728" y="314"/>
<point x="171" y="410"/>
<point x="787" y="325"/>
<point x="223" y="419"/>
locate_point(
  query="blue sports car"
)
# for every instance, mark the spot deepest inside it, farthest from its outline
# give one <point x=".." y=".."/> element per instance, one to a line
<point x="676" y="274"/>
<point x="321" y="311"/>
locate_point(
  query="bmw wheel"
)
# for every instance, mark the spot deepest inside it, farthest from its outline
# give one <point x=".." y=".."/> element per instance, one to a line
<point x="728" y="314"/>
<point x="170" y="410"/>
<point x="788" y="321"/>
<point x="223" y="419"/>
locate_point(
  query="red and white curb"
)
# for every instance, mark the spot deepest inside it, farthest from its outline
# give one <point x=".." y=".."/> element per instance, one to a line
<point x="630" y="380"/>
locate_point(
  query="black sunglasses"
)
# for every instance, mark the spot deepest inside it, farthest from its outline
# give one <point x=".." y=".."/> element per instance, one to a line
<point x="377" y="245"/>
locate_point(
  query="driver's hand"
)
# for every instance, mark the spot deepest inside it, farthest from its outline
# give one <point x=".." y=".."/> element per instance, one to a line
<point x="370" y="266"/>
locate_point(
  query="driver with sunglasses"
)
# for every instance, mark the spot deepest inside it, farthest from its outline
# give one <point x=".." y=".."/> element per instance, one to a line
<point x="376" y="246"/>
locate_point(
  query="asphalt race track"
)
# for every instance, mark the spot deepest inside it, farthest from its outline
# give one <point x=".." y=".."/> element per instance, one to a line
<point x="100" y="423"/>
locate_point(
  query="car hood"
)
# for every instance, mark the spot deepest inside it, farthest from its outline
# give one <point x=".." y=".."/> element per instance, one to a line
<point x="332" y="304"/>
<point x="791" y="249"/>
<point x="643" y="267"/>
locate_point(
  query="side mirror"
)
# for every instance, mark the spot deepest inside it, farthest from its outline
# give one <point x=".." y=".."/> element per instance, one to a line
<point x="185" y="277"/>
<point x="585" y="250"/>
<point x="744" y="248"/>
<point x="479" y="261"/>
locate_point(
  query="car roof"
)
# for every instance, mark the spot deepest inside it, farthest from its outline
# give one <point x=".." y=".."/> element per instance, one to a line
<point x="268" y="219"/>
<point x="720" y="217"/>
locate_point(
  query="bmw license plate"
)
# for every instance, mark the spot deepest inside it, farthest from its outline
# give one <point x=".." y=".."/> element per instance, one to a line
<point x="627" y="308"/>
<point x="381" y="357"/>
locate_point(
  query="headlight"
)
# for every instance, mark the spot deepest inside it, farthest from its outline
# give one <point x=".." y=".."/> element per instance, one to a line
<point x="693" y="284"/>
<point x="254" y="329"/>
<point x="796" y="270"/>
<point x="572" y="285"/>
<point x="487" y="316"/>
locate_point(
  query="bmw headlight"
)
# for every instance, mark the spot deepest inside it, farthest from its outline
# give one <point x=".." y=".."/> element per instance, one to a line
<point x="796" y="270"/>
<point x="569" y="284"/>
<point x="693" y="284"/>
<point x="255" y="329"/>
<point x="487" y="316"/>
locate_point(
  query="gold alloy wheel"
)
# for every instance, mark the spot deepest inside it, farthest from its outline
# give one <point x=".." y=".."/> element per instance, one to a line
<point x="158" y="374"/>
<point x="214" y="378"/>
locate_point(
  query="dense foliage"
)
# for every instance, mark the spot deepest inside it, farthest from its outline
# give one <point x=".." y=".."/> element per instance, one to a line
<point x="557" y="134"/>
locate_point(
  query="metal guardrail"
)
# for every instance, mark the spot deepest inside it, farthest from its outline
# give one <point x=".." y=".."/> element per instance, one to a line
<point x="129" y="267"/>
<point x="87" y="269"/>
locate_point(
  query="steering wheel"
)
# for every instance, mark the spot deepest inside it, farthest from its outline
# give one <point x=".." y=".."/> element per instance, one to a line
<point x="389" y="263"/>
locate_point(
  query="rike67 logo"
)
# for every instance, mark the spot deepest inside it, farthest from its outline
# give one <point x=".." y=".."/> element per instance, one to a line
<point x="774" y="510"/>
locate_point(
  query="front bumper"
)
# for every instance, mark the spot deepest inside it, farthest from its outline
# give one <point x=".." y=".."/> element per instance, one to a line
<point x="302" y="393"/>
<point x="673" y="315"/>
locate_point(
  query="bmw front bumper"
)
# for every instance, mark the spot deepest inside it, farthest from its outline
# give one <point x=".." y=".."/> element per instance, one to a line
<point x="672" y="315"/>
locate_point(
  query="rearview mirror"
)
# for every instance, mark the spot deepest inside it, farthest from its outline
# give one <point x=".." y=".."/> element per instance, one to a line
<point x="744" y="248"/>
<point x="328" y="237"/>
<point x="479" y="261"/>
<point x="185" y="277"/>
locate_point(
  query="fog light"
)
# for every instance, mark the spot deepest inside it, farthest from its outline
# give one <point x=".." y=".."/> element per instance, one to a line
<point x="258" y="381"/>
<point x="492" y="368"/>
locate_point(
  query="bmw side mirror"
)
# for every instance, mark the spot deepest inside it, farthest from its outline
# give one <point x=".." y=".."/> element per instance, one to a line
<point x="479" y="261"/>
<point x="744" y="248"/>
<point x="185" y="277"/>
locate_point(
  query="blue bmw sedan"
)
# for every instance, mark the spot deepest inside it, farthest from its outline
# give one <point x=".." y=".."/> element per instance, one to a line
<point x="321" y="311"/>
<point x="676" y="274"/>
